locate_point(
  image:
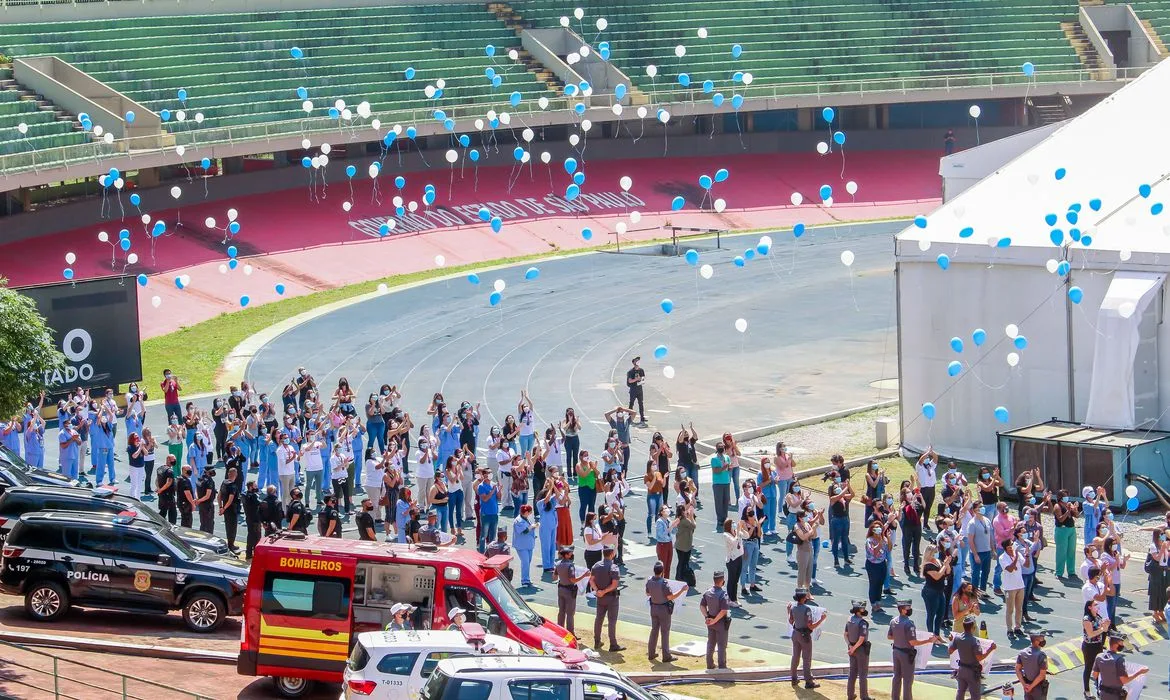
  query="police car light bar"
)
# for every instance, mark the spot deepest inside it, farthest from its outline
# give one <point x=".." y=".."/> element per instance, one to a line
<point x="104" y="491"/>
<point x="125" y="517"/>
<point x="497" y="562"/>
<point x="569" y="657"/>
<point x="473" y="633"/>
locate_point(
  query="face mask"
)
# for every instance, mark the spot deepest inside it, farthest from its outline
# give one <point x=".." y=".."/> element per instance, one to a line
<point x="875" y="533"/>
<point x="237" y="394"/>
<point x="1032" y="500"/>
<point x="889" y="501"/>
<point x="795" y="489"/>
<point x="1108" y="515"/>
<point x="1064" y="499"/>
<point x="1116" y="549"/>
<point x="985" y="475"/>
<point x="836" y="480"/>
<point x="167" y="375"/>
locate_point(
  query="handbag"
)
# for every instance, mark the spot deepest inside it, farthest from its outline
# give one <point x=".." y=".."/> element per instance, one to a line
<point x="793" y="538"/>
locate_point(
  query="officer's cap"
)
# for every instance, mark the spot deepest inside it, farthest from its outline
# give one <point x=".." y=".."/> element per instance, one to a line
<point x="904" y="603"/>
<point x="719" y="575"/>
<point x="856" y="605"/>
<point x="800" y="593"/>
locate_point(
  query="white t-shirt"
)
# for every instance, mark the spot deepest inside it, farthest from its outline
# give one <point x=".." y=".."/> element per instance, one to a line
<point x="338" y="470"/>
<point x="1012" y="580"/>
<point x="504" y="459"/>
<point x="1090" y="591"/>
<point x="284" y="465"/>
<point x="596" y="532"/>
<point x="527" y="424"/>
<point x="426" y="468"/>
<point x="311" y="457"/>
<point x="927" y="479"/>
<point x="372" y="474"/>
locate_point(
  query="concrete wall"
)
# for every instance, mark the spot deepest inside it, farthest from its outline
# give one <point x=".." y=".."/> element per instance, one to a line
<point x="1118" y="18"/>
<point x="1093" y="32"/>
<point x="76" y="91"/>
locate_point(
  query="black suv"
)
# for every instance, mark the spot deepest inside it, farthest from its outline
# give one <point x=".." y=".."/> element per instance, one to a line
<point x="117" y="562"/>
<point x="17" y="501"/>
<point x="14" y="471"/>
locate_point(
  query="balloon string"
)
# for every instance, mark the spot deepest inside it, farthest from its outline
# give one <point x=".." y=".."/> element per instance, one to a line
<point x="120" y="205"/>
<point x="851" y="290"/>
<point x="971" y="371"/>
<point x="842" y="176"/>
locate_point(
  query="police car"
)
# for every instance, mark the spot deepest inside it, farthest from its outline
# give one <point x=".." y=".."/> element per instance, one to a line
<point x="116" y="562"/>
<point x="14" y="471"/>
<point x="17" y="501"/>
<point x="563" y="675"/>
<point x="396" y="664"/>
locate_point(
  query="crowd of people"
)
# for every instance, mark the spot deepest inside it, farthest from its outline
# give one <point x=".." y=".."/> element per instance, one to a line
<point x="370" y="468"/>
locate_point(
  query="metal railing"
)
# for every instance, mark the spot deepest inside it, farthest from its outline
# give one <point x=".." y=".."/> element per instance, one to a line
<point x="62" y="678"/>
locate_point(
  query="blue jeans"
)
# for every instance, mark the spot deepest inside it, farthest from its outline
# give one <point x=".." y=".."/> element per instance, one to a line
<point x="1029" y="585"/>
<point x="487" y="530"/>
<point x="586" y="498"/>
<point x="653" y="505"/>
<point x="517" y="501"/>
<point x="693" y="473"/>
<point x="997" y="577"/>
<point x="981" y="570"/>
<point x="751" y="555"/>
<point x="788" y="546"/>
<point x="313" y="482"/>
<point x="770" y="508"/>
<point x="455" y="505"/>
<point x="734" y="481"/>
<point x="816" y="553"/>
<point x="959" y="569"/>
<point x="526" y="442"/>
<point x="1110" y="602"/>
<point x="444" y="512"/>
<point x="936" y="609"/>
<point x="839" y="536"/>
<point x="377" y="432"/>
<point x="525" y="566"/>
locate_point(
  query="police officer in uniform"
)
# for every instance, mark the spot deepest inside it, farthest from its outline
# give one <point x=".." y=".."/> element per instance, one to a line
<point x="185" y="490"/>
<point x="297" y="515"/>
<point x="800" y="617"/>
<point x="904" y="636"/>
<point x="634" y="379"/>
<point x="166" y="488"/>
<point x="271" y="510"/>
<point x="857" y="645"/>
<point x="365" y="522"/>
<point x="229" y="507"/>
<point x="565" y="575"/>
<point x="1109" y="669"/>
<point x="330" y="523"/>
<point x="430" y="532"/>
<point x="605" y="579"/>
<point x="252" y="518"/>
<point x="969" y="674"/>
<point x="716" y="609"/>
<point x="1032" y="668"/>
<point x="501" y="548"/>
<point x="205" y="499"/>
<point x="661" y="610"/>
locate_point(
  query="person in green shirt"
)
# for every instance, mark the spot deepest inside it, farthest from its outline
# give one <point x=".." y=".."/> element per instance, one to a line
<point x="720" y="483"/>
<point x="586" y="485"/>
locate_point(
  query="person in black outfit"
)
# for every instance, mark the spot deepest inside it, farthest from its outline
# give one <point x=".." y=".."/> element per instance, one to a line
<point x="271" y="511"/>
<point x="165" y="488"/>
<point x="298" y="515"/>
<point x="251" y="500"/>
<point x="229" y="507"/>
<point x="330" y="523"/>
<point x="236" y="460"/>
<point x="185" y="495"/>
<point x="468" y="424"/>
<point x="634" y="379"/>
<point x="413" y="525"/>
<point x="219" y="414"/>
<point x="365" y="522"/>
<point x="205" y="498"/>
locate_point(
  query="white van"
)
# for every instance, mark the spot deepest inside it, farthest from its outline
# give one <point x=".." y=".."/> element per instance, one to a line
<point x="563" y="675"/>
<point x="395" y="665"/>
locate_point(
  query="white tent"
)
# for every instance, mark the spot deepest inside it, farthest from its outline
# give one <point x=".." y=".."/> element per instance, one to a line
<point x="1097" y="186"/>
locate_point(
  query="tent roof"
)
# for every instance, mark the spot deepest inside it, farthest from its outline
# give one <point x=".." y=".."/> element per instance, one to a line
<point x="1105" y="154"/>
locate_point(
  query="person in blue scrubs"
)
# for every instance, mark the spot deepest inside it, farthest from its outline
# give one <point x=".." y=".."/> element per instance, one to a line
<point x="101" y="443"/>
<point x="524" y="541"/>
<point x="34" y="437"/>
<point x="547" y="505"/>
<point x="69" y="440"/>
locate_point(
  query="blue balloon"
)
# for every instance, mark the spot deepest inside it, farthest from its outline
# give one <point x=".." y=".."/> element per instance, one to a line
<point x="1071" y="217"/>
<point x="495" y="298"/>
<point x="302" y="93"/>
<point x="954" y="368"/>
<point x="705" y="182"/>
<point x="667" y="305"/>
<point x="296" y="53"/>
<point x="979" y="336"/>
<point x="692" y="257"/>
<point x="497" y="81"/>
<point x="473" y="278"/>
<point x="920" y="221"/>
<point x="449" y="124"/>
<point x="1132" y="504"/>
<point x="233" y="263"/>
<point x="489" y="72"/>
<point x="957" y="344"/>
<point x="684" y="80"/>
<point x="464" y="140"/>
<point x="1028" y="68"/>
<point x="411" y="132"/>
<point x="763" y="248"/>
<point x="429" y="198"/>
<point x="571" y="89"/>
<point x="943" y="260"/>
<point x="736" y="101"/>
<point x="400" y="182"/>
<point x="179" y="282"/>
<point x="660" y="352"/>
<point x="231" y="251"/>
<point x="474" y="155"/>
<point x="244" y="300"/>
<point x="114" y="173"/>
<point x="749" y="254"/>
<point x="1060" y="173"/>
<point x="159" y="229"/>
<point x="130" y="116"/>
<point x="798" y="230"/>
<point x="736" y="50"/>
<point x="677" y="203"/>
<point x="1056" y="236"/>
<point x="579" y="178"/>
<point x="334" y="113"/>
<point x="350" y="170"/>
<point x="497" y="223"/>
<point x="384" y="229"/>
<point x="1074" y="233"/>
<point x="1020" y="342"/>
<point x="205" y="163"/>
<point x="967" y="232"/>
<point x="485" y="214"/>
<point x="306" y="162"/>
<point x="1004" y="242"/>
<point x="135" y="199"/>
<point x="1156" y="208"/>
<point x="531" y="273"/>
<point x="142" y="280"/>
<point x="83" y="116"/>
<point x="280" y="289"/>
<point x="928" y="411"/>
<point x="620" y="91"/>
<point x="1086" y="241"/>
<point x="708" y="86"/>
<point x="389" y="138"/>
<point x="603" y="51"/>
<point x="1075" y="206"/>
<point x="234" y="227"/>
<point x="579" y="108"/>
<point x="587" y="233"/>
<point x="68" y="273"/>
<point x="409" y="73"/>
<point x="518" y="153"/>
<point x="1050" y="219"/>
<point x="1095" y="204"/>
<point x="717" y="99"/>
<point x="489" y="50"/>
<point x="165" y="115"/>
<point x="1001" y="414"/>
<point x="828" y="114"/>
<point x="572" y="192"/>
<point x="515" y="98"/>
<point x="721" y="175"/>
<point x="124" y="244"/>
<point x="826" y="192"/>
<point x="570" y="165"/>
<point x="400" y="211"/>
<point x="495" y="123"/>
<point x="1144" y="190"/>
<point x="124" y="233"/>
<point x="1076" y="294"/>
<point x="1063" y="268"/>
<point x="739" y="261"/>
<point x="839" y="137"/>
<point x="182" y="94"/>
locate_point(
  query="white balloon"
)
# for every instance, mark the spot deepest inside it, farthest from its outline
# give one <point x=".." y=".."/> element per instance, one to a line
<point x="525" y="157"/>
<point x="574" y="139"/>
<point x="822" y="147"/>
<point x="373" y="170"/>
<point x="364" y="110"/>
<point x="528" y="134"/>
<point x="706" y="271"/>
<point x="924" y="245"/>
<point x="376" y="124"/>
<point x="1013" y="359"/>
<point x="441" y="84"/>
<point x="564" y="21"/>
<point x="741" y="324"/>
<point x="668" y="372"/>
<point x="827" y="203"/>
<point x="505" y="118"/>
<point x="324" y="160"/>
<point x="680" y="51"/>
<point x="346" y="206"/>
<point x="702" y="32"/>
<point x="382" y="288"/>
<point x="748" y="78"/>
<point x="499" y="285"/>
<point x="247" y="269"/>
<point x="586" y="125"/>
<point x="307" y="105"/>
<point x="132" y="258"/>
<point x="635" y="216"/>
<point x="1125" y="255"/>
<point x="102" y="180"/>
<point x="617" y="109"/>
<point x="1051" y="265"/>
<point x="1126" y="309"/>
<point x="642" y="112"/>
<point x="626" y="182"/>
<point x="602" y="23"/>
<point x="851" y="187"/>
<point x="209" y="222"/>
<point x="70" y="258"/>
<point x="847" y="258"/>
<point x="306" y="144"/>
<point x="452" y="156"/>
<point x="176" y="192"/>
<point x="180" y="149"/>
<point x="584" y="51"/>
<point x="199" y="117"/>
<point x="651" y="70"/>
<point x="180" y="116"/>
<point x="119" y="183"/>
<point x="720" y="205"/>
<point x="325" y="148"/>
<point x="1131" y="491"/>
<point x="315" y="161"/>
<point x="156" y="301"/>
<point x="397" y="201"/>
<point x="232" y="214"/>
<point x="391" y="224"/>
<point x="578" y="13"/>
<point x="1011" y="330"/>
<point x="429" y="91"/>
<point x="98" y="130"/>
<point x="146" y="218"/>
<point x="22" y="128"/>
<point x="339" y="105"/>
<point x="223" y="269"/>
<point x="185" y="279"/>
<point x="663" y="116"/>
<point x="573" y="58"/>
<point x="974" y="111"/>
<point x="796" y="199"/>
<point x="397" y="130"/>
<point x="108" y="138"/>
<point x="766" y="241"/>
<point x="1033" y="178"/>
<point x="542" y="102"/>
<point x="412" y="206"/>
<point x="103" y="237"/>
<point x="346" y="114"/>
<point x="620" y="227"/>
<point x="440" y="261"/>
<point x="479" y="125"/>
<point x="545" y="157"/>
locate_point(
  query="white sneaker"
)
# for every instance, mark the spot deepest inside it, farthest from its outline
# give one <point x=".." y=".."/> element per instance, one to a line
<point x="791" y="559"/>
<point x="817" y="582"/>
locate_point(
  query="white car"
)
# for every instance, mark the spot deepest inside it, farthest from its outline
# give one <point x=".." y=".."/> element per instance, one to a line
<point x="395" y="665"/>
<point x="562" y="675"/>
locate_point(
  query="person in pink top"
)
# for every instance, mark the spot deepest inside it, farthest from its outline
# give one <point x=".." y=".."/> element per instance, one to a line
<point x="1003" y="525"/>
<point x="785" y="467"/>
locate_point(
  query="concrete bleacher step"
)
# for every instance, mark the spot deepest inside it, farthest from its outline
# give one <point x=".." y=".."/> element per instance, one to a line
<point x="1155" y="36"/>
<point x="1084" y="49"/>
<point x="513" y="20"/>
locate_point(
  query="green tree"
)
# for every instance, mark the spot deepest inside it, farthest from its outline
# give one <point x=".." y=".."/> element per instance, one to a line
<point x="27" y="350"/>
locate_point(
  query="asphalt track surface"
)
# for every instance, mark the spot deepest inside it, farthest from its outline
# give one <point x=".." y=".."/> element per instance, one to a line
<point x="818" y="334"/>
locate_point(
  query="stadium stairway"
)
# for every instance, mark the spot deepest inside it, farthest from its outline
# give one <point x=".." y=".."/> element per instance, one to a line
<point x="1155" y="17"/>
<point x="47" y="126"/>
<point x="513" y="21"/>
<point x="1090" y="59"/>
